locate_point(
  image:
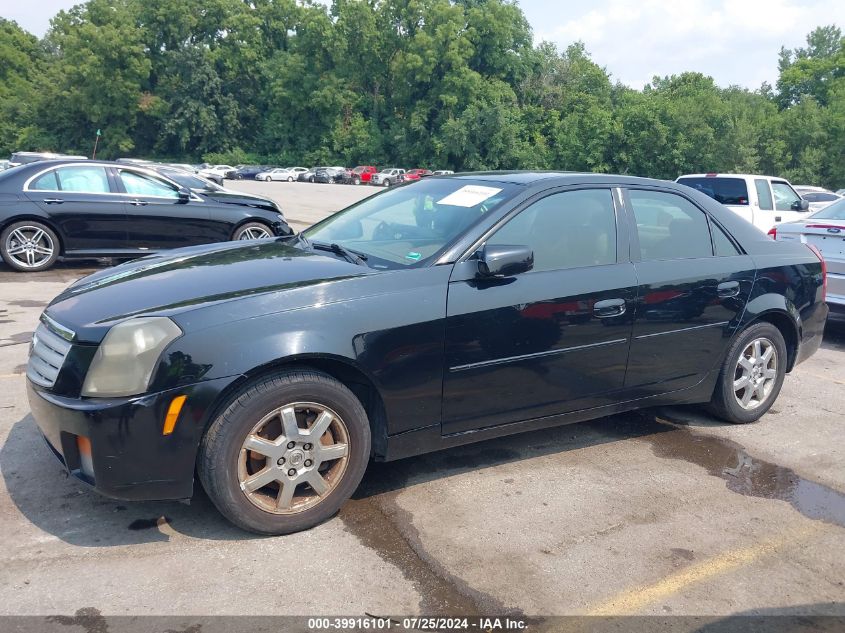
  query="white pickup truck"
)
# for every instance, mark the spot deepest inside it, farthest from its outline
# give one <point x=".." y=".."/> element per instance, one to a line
<point x="762" y="200"/>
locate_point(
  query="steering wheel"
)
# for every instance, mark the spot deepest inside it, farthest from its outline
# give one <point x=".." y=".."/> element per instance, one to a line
<point x="383" y="231"/>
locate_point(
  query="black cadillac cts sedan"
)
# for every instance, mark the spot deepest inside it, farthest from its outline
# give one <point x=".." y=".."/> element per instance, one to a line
<point x="85" y="209"/>
<point x="443" y="312"/>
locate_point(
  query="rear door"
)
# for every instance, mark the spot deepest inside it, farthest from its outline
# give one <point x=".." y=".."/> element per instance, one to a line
<point x="551" y="340"/>
<point x="84" y="204"/>
<point x="694" y="282"/>
<point x="158" y="219"/>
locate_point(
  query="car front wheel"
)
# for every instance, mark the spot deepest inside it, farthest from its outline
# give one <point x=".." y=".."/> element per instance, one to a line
<point x="751" y="375"/>
<point x="286" y="453"/>
<point x="252" y="231"/>
<point x="29" y="246"/>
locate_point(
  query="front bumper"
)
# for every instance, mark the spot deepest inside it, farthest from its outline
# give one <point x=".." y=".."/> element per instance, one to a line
<point x="131" y="457"/>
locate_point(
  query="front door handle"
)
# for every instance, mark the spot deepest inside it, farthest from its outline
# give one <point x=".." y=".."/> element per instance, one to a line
<point x="138" y="203"/>
<point x="728" y="289"/>
<point x="609" y="308"/>
<point x="53" y="201"/>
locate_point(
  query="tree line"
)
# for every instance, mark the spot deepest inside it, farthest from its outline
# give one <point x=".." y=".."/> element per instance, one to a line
<point x="448" y="84"/>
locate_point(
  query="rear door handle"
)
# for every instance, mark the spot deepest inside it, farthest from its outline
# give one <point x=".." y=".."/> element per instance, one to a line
<point x="728" y="289"/>
<point x="609" y="308"/>
<point x="53" y="201"/>
<point x="138" y="203"/>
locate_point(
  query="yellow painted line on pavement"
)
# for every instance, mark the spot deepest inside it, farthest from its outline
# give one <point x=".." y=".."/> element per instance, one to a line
<point x="637" y="598"/>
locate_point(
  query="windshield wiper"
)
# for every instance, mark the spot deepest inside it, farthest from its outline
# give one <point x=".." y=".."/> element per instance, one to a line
<point x="348" y="254"/>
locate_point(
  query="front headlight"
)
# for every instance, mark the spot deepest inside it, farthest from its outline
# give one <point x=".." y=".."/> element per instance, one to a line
<point x="125" y="360"/>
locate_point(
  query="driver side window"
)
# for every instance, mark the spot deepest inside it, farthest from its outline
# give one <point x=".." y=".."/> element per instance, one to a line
<point x="143" y="185"/>
<point x="785" y="197"/>
<point x="572" y="229"/>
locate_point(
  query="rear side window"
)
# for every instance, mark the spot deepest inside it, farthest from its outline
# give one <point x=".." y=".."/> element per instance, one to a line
<point x="764" y="194"/>
<point x="45" y="182"/>
<point x="820" y="197"/>
<point x="83" y="179"/>
<point x="725" y="190"/>
<point x="722" y="244"/>
<point x="669" y="226"/>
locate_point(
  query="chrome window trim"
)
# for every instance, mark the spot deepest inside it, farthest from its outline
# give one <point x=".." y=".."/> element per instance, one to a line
<point x="147" y="172"/>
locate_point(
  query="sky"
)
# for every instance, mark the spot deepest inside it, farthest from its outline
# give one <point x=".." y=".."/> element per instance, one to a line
<point x="734" y="41"/>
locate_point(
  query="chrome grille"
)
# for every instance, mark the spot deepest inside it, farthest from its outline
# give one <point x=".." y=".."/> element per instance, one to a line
<point x="46" y="356"/>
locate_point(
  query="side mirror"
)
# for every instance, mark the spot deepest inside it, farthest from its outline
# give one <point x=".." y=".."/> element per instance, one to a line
<point x="184" y="195"/>
<point x="504" y="260"/>
<point x="800" y="205"/>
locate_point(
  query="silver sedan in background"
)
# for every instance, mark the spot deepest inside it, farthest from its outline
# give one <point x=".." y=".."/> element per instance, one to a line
<point x="825" y="231"/>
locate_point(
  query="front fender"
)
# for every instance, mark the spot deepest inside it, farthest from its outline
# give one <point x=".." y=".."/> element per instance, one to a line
<point x="394" y="337"/>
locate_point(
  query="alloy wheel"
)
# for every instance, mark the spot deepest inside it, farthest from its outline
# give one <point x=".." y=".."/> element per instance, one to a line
<point x="293" y="458"/>
<point x="755" y="373"/>
<point x="255" y="233"/>
<point x="30" y="246"/>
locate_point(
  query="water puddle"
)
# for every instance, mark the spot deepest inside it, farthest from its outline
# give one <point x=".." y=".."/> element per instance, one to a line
<point x="747" y="475"/>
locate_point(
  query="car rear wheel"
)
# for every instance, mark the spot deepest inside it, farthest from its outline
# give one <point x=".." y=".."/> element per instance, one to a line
<point x="290" y="178"/>
<point x="267" y="179"/>
<point x="357" y="181"/>
<point x="286" y="453"/>
<point x="252" y="231"/>
<point x="751" y="376"/>
<point x="311" y="179"/>
<point x="29" y="246"/>
<point x="386" y="182"/>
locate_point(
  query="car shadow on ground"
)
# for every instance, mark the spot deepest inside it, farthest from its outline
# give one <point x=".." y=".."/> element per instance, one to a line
<point x="61" y="271"/>
<point x="69" y="510"/>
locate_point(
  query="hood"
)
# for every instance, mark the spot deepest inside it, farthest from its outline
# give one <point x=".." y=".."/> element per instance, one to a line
<point x="228" y="196"/>
<point x="189" y="279"/>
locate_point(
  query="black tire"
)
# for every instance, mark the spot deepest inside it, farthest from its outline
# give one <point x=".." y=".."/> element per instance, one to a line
<point x="251" y="226"/>
<point x="9" y="242"/>
<point x="217" y="463"/>
<point x="386" y="182"/>
<point x="311" y="179"/>
<point x="290" y="178"/>
<point x="357" y="181"/>
<point x="725" y="404"/>
<point x="267" y="179"/>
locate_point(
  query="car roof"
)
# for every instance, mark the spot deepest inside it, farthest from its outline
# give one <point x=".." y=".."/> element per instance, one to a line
<point x="726" y="175"/>
<point x="529" y="177"/>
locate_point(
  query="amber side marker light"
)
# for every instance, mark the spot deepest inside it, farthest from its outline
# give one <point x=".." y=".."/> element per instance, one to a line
<point x="173" y="414"/>
<point x="86" y="461"/>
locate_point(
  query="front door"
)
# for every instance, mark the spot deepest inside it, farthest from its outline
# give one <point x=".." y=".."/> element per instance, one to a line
<point x="158" y="219"/>
<point x="80" y="201"/>
<point x="551" y="340"/>
<point x="692" y="291"/>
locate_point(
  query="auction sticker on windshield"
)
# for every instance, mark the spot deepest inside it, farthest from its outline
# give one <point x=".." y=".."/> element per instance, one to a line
<point x="469" y="196"/>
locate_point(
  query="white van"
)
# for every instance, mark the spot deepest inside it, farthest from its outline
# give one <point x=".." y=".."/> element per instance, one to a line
<point x="762" y="200"/>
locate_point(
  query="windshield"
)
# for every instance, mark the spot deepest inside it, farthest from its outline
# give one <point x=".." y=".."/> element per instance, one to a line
<point x="412" y="223"/>
<point x="835" y="211"/>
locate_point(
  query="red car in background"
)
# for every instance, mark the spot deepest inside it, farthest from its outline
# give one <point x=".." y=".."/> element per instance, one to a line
<point x="362" y="173"/>
<point x="416" y="174"/>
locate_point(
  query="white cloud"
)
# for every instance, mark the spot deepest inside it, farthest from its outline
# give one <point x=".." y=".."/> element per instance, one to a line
<point x="735" y="41"/>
